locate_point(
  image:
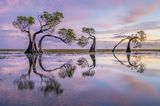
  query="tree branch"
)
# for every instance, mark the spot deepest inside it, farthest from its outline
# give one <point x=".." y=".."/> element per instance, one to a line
<point x="40" y="22"/>
<point x="118" y="44"/>
<point x="49" y="70"/>
<point x="40" y="41"/>
<point x="91" y="35"/>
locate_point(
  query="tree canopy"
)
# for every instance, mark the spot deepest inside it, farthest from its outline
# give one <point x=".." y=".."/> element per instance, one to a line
<point x="47" y="24"/>
<point x="24" y="23"/>
<point x="48" y="21"/>
<point x="67" y="35"/>
<point x="89" y="31"/>
<point x="83" y="40"/>
<point x="138" y="38"/>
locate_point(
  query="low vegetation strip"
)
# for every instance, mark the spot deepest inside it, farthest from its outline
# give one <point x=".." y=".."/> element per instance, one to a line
<point x="78" y="50"/>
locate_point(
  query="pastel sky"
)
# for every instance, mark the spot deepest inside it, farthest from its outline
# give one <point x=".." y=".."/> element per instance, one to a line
<point x="108" y="17"/>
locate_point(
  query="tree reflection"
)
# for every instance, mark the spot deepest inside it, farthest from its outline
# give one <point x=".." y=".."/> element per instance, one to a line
<point x="24" y="83"/>
<point x="65" y="70"/>
<point x="49" y="84"/>
<point x="134" y="63"/>
<point x="82" y="62"/>
<point x="47" y="80"/>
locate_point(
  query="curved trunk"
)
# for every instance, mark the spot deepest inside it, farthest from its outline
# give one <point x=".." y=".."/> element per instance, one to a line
<point x="134" y="64"/>
<point x="34" y="45"/>
<point x="128" y="50"/>
<point x="40" y="44"/>
<point x="29" y="57"/>
<point x="29" y="48"/>
<point x="93" y="46"/>
<point x="93" y="57"/>
<point x="129" y="59"/>
<point x="119" y="60"/>
<point x="32" y="62"/>
<point x="118" y="44"/>
<point x="40" y="41"/>
<point x="41" y="65"/>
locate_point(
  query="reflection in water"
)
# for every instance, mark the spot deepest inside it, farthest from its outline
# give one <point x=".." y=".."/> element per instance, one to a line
<point x="24" y="83"/>
<point x="65" y="70"/>
<point x="84" y="63"/>
<point x="67" y="86"/>
<point x="134" y="63"/>
<point x="49" y="84"/>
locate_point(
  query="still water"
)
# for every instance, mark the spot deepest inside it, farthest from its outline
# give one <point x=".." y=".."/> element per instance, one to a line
<point x="80" y="79"/>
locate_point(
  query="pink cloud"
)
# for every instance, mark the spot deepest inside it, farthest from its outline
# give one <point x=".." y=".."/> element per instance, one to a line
<point x="9" y="5"/>
<point x="139" y="12"/>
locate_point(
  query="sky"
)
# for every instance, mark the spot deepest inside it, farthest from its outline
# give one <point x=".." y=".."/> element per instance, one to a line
<point x="108" y="17"/>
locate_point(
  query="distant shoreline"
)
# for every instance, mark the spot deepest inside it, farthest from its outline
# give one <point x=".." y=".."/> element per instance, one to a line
<point x="79" y="50"/>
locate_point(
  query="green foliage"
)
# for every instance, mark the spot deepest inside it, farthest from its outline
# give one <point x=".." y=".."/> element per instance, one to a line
<point x="138" y="38"/>
<point x="89" y="31"/>
<point x="83" y="41"/>
<point x="67" y="35"/>
<point x="47" y="20"/>
<point x="142" y="35"/>
<point x="50" y="20"/>
<point x="23" y="23"/>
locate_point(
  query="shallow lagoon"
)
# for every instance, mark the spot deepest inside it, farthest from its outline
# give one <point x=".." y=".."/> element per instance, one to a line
<point x="79" y="79"/>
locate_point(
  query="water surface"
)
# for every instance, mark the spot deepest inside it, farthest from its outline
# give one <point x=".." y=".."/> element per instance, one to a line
<point x="79" y="79"/>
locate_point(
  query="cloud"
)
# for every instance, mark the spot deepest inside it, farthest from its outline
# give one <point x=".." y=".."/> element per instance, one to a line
<point x="126" y="12"/>
<point x="6" y="4"/>
<point x="148" y="25"/>
<point x="138" y="12"/>
<point x="101" y="15"/>
<point x="121" y="35"/>
<point x="8" y="30"/>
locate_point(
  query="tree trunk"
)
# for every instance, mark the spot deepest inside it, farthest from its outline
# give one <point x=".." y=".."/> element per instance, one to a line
<point x="129" y="59"/>
<point x="30" y="45"/>
<point x="32" y="48"/>
<point x="40" y="41"/>
<point x="128" y="50"/>
<point x="29" y="49"/>
<point x="93" y="57"/>
<point x="35" y="47"/>
<point x="118" y="44"/>
<point x="40" y="44"/>
<point x="35" y="50"/>
<point x="93" y="46"/>
<point x="30" y="60"/>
